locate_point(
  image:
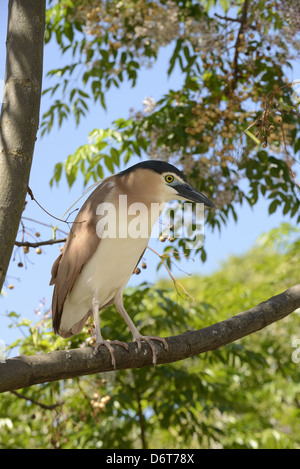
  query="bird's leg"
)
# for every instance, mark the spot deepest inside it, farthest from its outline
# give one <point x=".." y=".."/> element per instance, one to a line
<point x="99" y="339"/>
<point x="137" y="337"/>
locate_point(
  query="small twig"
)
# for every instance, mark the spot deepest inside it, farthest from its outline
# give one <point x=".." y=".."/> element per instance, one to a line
<point x="243" y="22"/>
<point x="33" y="401"/>
<point x="176" y="282"/>
<point x="29" y="191"/>
<point x="291" y="111"/>
<point x="44" y="224"/>
<point x="227" y="18"/>
<point x="270" y="107"/>
<point x="292" y="83"/>
<point x="287" y="156"/>
<point x="40" y="243"/>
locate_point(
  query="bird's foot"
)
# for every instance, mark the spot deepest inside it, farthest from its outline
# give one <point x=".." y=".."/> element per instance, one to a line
<point x="108" y="344"/>
<point x="148" y="338"/>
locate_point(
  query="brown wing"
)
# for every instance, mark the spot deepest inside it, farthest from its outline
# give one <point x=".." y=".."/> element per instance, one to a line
<point x="81" y="244"/>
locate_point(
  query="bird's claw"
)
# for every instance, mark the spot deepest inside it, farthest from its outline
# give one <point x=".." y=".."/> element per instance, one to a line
<point x="108" y="344"/>
<point x="138" y="339"/>
<point x="148" y="338"/>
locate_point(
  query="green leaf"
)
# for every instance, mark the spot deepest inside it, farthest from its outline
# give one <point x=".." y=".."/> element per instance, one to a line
<point x="68" y="31"/>
<point x="100" y="171"/>
<point x="255" y="139"/>
<point x="175" y="55"/>
<point x="224" y="5"/>
<point x="203" y="255"/>
<point x="13" y="314"/>
<point x="57" y="174"/>
<point x="115" y="156"/>
<point x="297" y="145"/>
<point x="273" y="206"/>
<point x="109" y="163"/>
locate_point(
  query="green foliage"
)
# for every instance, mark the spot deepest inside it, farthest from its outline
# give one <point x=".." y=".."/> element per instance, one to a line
<point x="105" y="149"/>
<point x="241" y="396"/>
<point x="231" y="126"/>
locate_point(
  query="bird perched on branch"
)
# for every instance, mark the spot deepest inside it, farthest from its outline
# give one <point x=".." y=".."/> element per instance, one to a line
<point x="107" y="241"/>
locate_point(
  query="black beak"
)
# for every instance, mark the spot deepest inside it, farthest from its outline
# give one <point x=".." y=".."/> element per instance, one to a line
<point x="187" y="192"/>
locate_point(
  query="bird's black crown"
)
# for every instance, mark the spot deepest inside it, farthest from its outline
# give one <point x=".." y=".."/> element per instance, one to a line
<point x="158" y="166"/>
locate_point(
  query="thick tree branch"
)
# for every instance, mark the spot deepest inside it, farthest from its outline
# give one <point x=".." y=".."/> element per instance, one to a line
<point x="25" y="371"/>
<point x="19" y="118"/>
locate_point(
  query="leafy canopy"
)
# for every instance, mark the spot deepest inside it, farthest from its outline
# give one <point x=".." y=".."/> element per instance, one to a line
<point x="233" y="126"/>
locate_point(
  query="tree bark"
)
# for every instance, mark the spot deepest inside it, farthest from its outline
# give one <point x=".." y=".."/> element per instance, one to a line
<point x="25" y="371"/>
<point x="19" y="118"/>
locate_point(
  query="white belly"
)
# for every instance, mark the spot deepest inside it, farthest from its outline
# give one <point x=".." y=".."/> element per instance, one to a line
<point x="107" y="272"/>
<point x="110" y="267"/>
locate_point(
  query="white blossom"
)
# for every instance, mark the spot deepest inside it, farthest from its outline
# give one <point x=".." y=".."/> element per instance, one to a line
<point x="149" y="105"/>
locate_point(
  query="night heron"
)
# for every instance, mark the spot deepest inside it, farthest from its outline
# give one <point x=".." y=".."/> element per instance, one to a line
<point x="101" y="254"/>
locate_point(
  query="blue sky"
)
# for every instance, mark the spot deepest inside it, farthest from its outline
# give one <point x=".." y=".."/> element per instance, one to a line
<point x="31" y="284"/>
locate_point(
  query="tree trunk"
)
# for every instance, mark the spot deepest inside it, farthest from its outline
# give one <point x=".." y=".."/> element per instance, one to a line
<point x="19" y="118"/>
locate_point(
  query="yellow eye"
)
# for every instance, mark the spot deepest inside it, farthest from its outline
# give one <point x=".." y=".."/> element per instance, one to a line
<point x="169" y="178"/>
